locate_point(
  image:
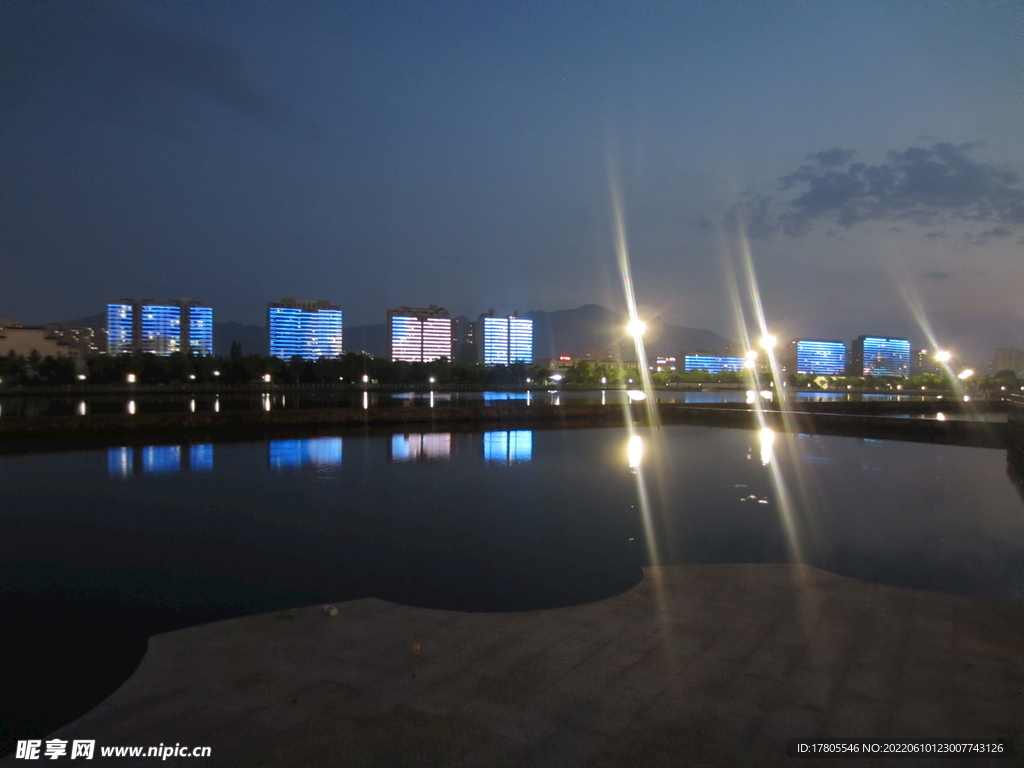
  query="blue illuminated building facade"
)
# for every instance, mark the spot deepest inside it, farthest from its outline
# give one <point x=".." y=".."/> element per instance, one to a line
<point x="880" y="356"/>
<point x="120" y="328"/>
<point x="818" y="358"/>
<point x="306" y="329"/>
<point x="505" y="340"/>
<point x="200" y="330"/>
<point x="159" y="329"/>
<point x="713" y="363"/>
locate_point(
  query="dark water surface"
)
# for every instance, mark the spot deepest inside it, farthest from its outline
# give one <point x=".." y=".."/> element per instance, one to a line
<point x="100" y="549"/>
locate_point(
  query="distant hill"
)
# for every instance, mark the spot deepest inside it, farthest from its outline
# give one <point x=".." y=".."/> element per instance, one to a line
<point x="372" y="339"/>
<point x="563" y="332"/>
<point x="252" y="338"/>
<point x="573" y="331"/>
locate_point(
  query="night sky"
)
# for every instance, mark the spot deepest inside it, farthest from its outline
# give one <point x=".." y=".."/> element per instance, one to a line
<point x="460" y="153"/>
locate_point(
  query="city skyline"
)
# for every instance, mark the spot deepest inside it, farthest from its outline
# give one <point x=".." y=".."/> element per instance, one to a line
<point x="466" y="155"/>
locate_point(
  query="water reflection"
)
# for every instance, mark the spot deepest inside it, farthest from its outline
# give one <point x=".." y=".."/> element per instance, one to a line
<point x="161" y="459"/>
<point x="767" y="437"/>
<point x="119" y="462"/>
<point x="490" y="397"/>
<point x="318" y="452"/>
<point x="508" y="447"/>
<point x="125" y="461"/>
<point x="432" y="446"/>
<point x="634" y="452"/>
<point x="200" y="457"/>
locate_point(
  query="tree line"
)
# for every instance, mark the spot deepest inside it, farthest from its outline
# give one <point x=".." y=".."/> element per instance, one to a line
<point x="177" y="369"/>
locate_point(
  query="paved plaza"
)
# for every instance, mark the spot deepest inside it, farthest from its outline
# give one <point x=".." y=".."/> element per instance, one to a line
<point x="697" y="665"/>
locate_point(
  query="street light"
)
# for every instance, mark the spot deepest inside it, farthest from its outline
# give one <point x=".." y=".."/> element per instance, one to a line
<point x="943" y="356"/>
<point x="965" y="374"/>
<point x="636" y="327"/>
<point x="768" y="342"/>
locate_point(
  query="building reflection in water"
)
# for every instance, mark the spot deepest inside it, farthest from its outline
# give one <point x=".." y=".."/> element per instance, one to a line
<point x="508" y="447"/>
<point x="120" y="461"/>
<point x="125" y="461"/>
<point x="161" y="459"/>
<point x="319" y="452"/>
<point x="492" y="397"/>
<point x="200" y="457"/>
<point x="432" y="446"/>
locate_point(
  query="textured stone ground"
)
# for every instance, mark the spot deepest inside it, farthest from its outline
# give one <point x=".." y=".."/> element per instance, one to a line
<point x="698" y="665"/>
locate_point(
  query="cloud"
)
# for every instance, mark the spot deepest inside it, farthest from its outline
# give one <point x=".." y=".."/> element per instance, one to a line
<point x="832" y="157"/>
<point x="916" y="185"/>
<point x="920" y="186"/>
<point x="90" y="54"/>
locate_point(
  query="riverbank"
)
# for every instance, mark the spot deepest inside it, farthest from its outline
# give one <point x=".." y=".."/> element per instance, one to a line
<point x="709" y="665"/>
<point x="873" y="420"/>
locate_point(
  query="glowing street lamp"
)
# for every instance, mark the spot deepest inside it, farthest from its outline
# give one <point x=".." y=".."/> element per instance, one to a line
<point x="266" y="377"/>
<point x="943" y="356"/>
<point x="768" y="342"/>
<point x="636" y="327"/>
<point x="965" y="374"/>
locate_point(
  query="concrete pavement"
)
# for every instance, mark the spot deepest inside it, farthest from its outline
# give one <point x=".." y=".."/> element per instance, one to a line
<point x="698" y="665"/>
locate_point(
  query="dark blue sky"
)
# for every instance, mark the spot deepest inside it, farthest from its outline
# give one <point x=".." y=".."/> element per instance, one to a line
<point x="379" y="154"/>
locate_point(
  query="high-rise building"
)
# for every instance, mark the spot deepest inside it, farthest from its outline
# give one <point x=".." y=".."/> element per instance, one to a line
<point x="419" y="335"/>
<point x="879" y="356"/>
<point x="306" y="329"/>
<point x="505" y="340"/>
<point x="464" y="342"/>
<point x="817" y="358"/>
<point x="159" y="329"/>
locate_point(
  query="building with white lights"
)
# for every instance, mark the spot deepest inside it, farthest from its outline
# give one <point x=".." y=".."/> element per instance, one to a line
<point x="159" y="329"/>
<point x="505" y="340"/>
<point x="419" y="335"/>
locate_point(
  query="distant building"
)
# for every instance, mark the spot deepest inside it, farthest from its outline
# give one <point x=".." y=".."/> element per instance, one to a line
<point x="664" y="364"/>
<point x="713" y="363"/>
<point x="923" y="361"/>
<point x="419" y="335"/>
<point x="816" y="357"/>
<point x="159" y="329"/>
<point x="879" y="356"/>
<point x="306" y="329"/>
<point x="505" y="340"/>
<point x="1008" y="359"/>
<point x="464" y="341"/>
<point x="87" y="339"/>
<point x="23" y="341"/>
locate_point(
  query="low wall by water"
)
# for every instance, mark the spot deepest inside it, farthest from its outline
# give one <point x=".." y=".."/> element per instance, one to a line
<point x="17" y="432"/>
